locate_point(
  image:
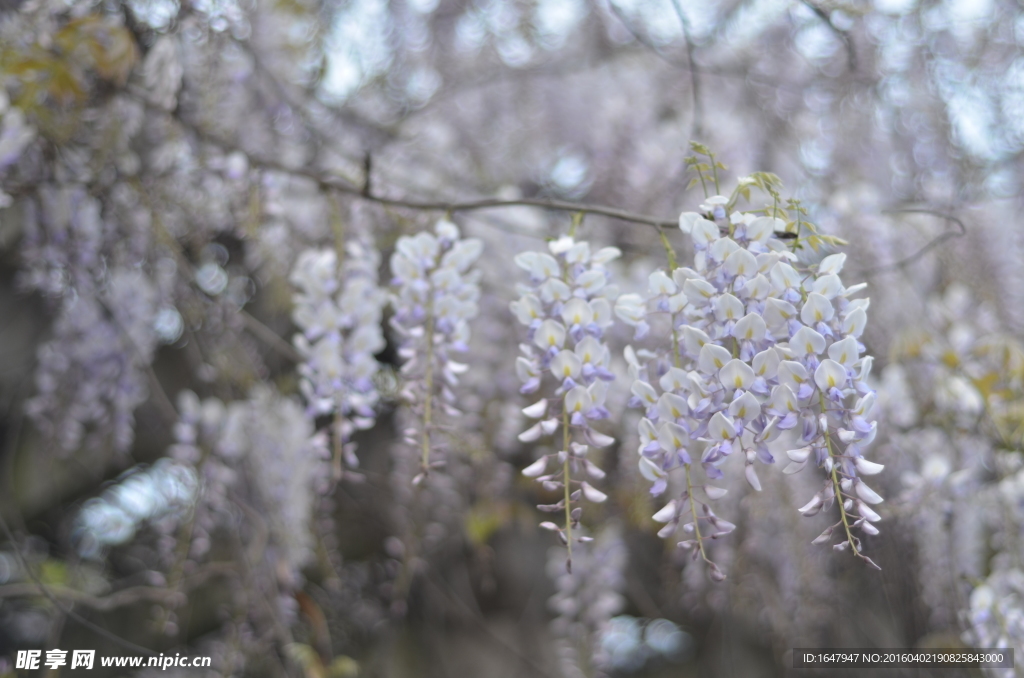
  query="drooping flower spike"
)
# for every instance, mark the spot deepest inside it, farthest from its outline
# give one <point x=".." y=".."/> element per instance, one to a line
<point x="758" y="345"/>
<point x="435" y="297"/>
<point x="566" y="308"/>
<point x="339" y="313"/>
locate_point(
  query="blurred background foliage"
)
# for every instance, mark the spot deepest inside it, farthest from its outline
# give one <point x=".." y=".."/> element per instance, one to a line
<point x="163" y="162"/>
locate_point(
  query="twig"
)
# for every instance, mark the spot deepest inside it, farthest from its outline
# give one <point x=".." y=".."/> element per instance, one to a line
<point x="163" y="402"/>
<point x="336" y="183"/>
<point x="932" y="244"/>
<point x="851" y="54"/>
<point x="306" y="102"/>
<point x="332" y="183"/>
<point x="128" y="596"/>
<point x="696" y="130"/>
<point x="640" y="37"/>
<point x="482" y="624"/>
<point x="271" y="337"/>
<point x="113" y="637"/>
<point x="329" y="182"/>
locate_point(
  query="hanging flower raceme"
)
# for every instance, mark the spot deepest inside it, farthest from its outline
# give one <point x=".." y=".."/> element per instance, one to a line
<point x="566" y="307"/>
<point x="758" y="345"/>
<point x="339" y="313"/>
<point x="435" y="297"/>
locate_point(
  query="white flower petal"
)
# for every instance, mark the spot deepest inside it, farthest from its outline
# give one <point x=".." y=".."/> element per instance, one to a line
<point x="805" y="341"/>
<point x="531" y="434"/>
<point x="536" y="410"/>
<point x="832" y="264"/>
<point x="736" y="374"/>
<point x="867" y="468"/>
<point x="867" y="494"/>
<point x="537" y="468"/>
<point x="666" y="513"/>
<point x="799" y="455"/>
<point x="715" y="492"/>
<point x="845" y="352"/>
<point x="752" y="478"/>
<point x="688" y="220"/>
<point x="593" y="494"/>
<point x="829" y="375"/>
<point x="650" y="470"/>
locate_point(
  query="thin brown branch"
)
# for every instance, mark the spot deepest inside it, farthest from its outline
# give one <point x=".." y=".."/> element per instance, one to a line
<point x="696" y="128"/>
<point x="122" y="598"/>
<point x="335" y="183"/>
<point x="844" y="36"/>
<point x="304" y="102"/>
<point x="163" y="401"/>
<point x="481" y="623"/>
<point x="932" y="244"/>
<point x="640" y="37"/>
<point x="270" y="337"/>
<point x="48" y="594"/>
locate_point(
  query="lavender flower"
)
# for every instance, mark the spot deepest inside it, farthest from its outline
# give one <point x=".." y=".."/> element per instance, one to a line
<point x="566" y="308"/>
<point x="757" y="347"/>
<point x="89" y="376"/>
<point x="269" y="441"/>
<point x="339" y="313"/>
<point x="435" y="296"/>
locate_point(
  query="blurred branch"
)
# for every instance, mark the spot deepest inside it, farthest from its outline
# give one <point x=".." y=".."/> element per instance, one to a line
<point x="48" y="594"/>
<point x="335" y="183"/>
<point x="742" y="74"/>
<point x="695" y="127"/>
<point x="253" y="588"/>
<point x="306" y="101"/>
<point x="851" y="54"/>
<point x="503" y="76"/>
<point x="128" y="596"/>
<point x="932" y="244"/>
<point x="640" y="37"/>
<point x="481" y="623"/>
<point x="163" y="402"/>
<point x="270" y="337"/>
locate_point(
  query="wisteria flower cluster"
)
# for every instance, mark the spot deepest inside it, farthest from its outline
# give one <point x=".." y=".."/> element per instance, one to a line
<point x="162" y="164"/>
<point x="758" y="346"/>
<point x="339" y="313"/>
<point x="268" y="441"/>
<point x="566" y="307"/>
<point x="435" y="297"/>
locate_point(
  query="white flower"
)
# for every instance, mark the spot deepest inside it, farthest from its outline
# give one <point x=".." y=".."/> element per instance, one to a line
<point x="567" y="309"/>
<point x="806" y="341"/>
<point x="435" y="296"/>
<point x="830" y="375"/>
